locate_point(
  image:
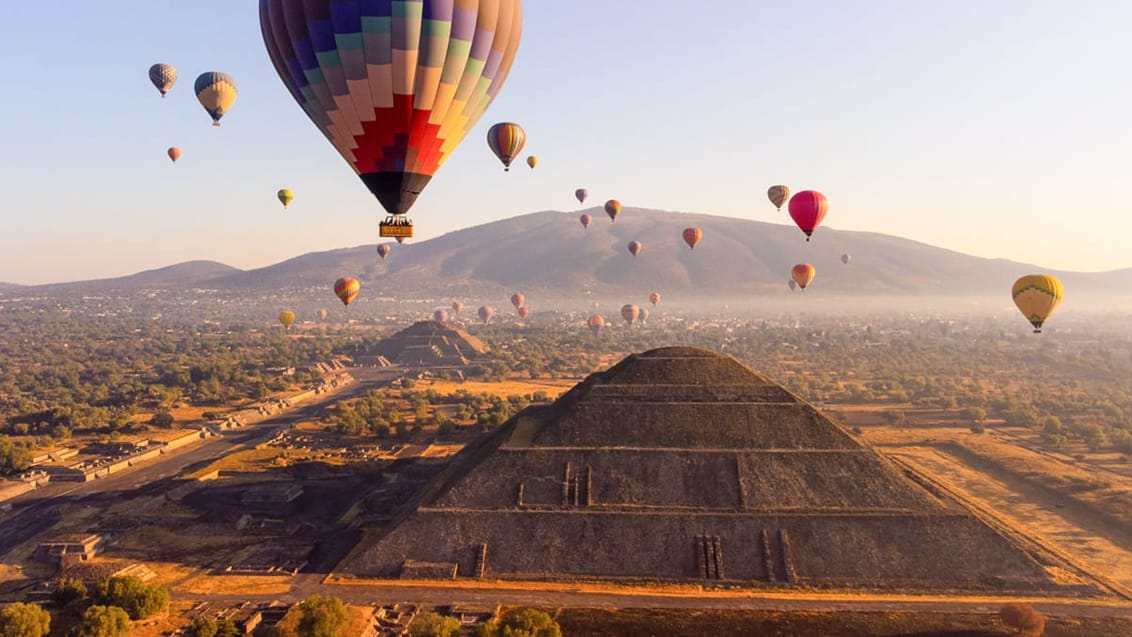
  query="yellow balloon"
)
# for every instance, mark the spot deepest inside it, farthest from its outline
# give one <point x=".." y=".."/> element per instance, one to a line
<point x="532" y="161"/>
<point x="287" y="317"/>
<point x="286" y="196"/>
<point x="1037" y="296"/>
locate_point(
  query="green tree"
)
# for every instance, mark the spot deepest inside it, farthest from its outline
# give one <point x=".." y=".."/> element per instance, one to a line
<point x="210" y="627"/>
<point x="133" y="595"/>
<point x="322" y="617"/>
<point x="24" y="620"/>
<point x="68" y="590"/>
<point x="434" y="625"/>
<point x="525" y="623"/>
<point x="162" y="419"/>
<point x="105" y="621"/>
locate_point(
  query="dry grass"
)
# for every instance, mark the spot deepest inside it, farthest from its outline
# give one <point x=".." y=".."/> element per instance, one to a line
<point x="256" y="460"/>
<point x="247" y="585"/>
<point x="515" y="387"/>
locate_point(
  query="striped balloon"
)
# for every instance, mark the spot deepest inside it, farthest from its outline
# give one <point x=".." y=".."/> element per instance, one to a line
<point x="803" y="274"/>
<point x="347" y="289"/>
<point x="1037" y="296"/>
<point x="163" y="76"/>
<point x="395" y="85"/>
<point x="216" y="92"/>
<point x="506" y="140"/>
<point x="778" y="195"/>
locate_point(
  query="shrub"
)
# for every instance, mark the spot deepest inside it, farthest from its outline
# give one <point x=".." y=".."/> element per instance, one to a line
<point x="24" y="620"/>
<point x="132" y="595"/>
<point x="433" y="625"/>
<point x="1023" y="619"/>
<point x="105" y="621"/>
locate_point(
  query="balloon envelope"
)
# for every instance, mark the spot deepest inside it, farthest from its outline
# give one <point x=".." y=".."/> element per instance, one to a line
<point x="807" y="209"/>
<point x="630" y="312"/>
<point x="394" y="86"/>
<point x="174" y="153"/>
<point x="1037" y="296"/>
<point x="347" y="289"/>
<point x="163" y="76"/>
<point x="845" y="259"/>
<point x="287" y="317"/>
<point x="518" y="300"/>
<point x="532" y="161"/>
<point x="778" y="195"/>
<point x="692" y="237"/>
<point x="586" y="220"/>
<point x="383" y="250"/>
<point x="440" y="316"/>
<point x="654" y="298"/>
<point x="803" y="274"/>
<point x="524" y="312"/>
<point x="486" y="312"/>
<point x="457" y="306"/>
<point x="322" y="314"/>
<point x="613" y="208"/>
<point x="581" y="194"/>
<point x="644" y="314"/>
<point x="596" y="322"/>
<point x="506" y="140"/>
<point x="285" y="196"/>
<point x="216" y="92"/>
<point x="635" y="247"/>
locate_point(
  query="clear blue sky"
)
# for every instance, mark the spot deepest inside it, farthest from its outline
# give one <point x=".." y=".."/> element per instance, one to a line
<point x="993" y="127"/>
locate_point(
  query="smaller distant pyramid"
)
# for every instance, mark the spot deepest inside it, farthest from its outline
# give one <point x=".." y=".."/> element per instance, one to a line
<point x="431" y="344"/>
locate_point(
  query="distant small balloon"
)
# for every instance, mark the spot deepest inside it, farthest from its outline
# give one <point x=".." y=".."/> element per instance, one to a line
<point x="808" y="208"/>
<point x="596" y="322"/>
<point x="692" y="237"/>
<point x="586" y="221"/>
<point x="613" y="208"/>
<point x="518" y="300"/>
<point x="532" y="161"/>
<point x="287" y="317"/>
<point x="486" y="312"/>
<point x="778" y="195"/>
<point x="524" y="312"/>
<point x="803" y="274"/>
<point x="581" y="194"/>
<point x="845" y="259"/>
<point x="635" y="247"/>
<point x="347" y="288"/>
<point x="654" y="298"/>
<point x="457" y="306"/>
<point x="644" y="315"/>
<point x="630" y="313"/>
<point x="383" y="250"/>
<point x="506" y="140"/>
<point x="440" y="316"/>
<point x="216" y="92"/>
<point x="174" y="153"/>
<point x="285" y="197"/>
<point x="163" y="76"/>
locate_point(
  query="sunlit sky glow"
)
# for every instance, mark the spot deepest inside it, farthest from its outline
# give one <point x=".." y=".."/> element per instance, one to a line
<point x="996" y="128"/>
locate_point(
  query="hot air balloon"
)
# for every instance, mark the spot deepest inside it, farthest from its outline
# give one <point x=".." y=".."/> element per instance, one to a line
<point x="457" y="307"/>
<point x="596" y="322"/>
<point x="383" y="250"/>
<point x="692" y="236"/>
<point x="394" y="86"/>
<point x="347" y="289"/>
<point x="778" y="195"/>
<point x="1037" y="296"/>
<point x="635" y="247"/>
<point x="586" y="220"/>
<point x="524" y="312"/>
<point x="613" y="208"/>
<point x="518" y="300"/>
<point x="440" y="316"/>
<point x="486" y="312"/>
<point x="216" y="92"/>
<point x="163" y="76"/>
<point x="803" y="274"/>
<point x="808" y="208"/>
<point x="287" y="317"/>
<point x="644" y="314"/>
<point x="630" y="312"/>
<point x="322" y="314"/>
<point x="285" y="197"/>
<point x="845" y="259"/>
<point x="506" y="140"/>
<point x="654" y="298"/>
<point x="792" y="284"/>
<point x="532" y="161"/>
<point x="581" y="194"/>
<point x="174" y="153"/>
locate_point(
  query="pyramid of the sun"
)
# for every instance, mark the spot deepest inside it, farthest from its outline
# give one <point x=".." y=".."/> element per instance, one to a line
<point x="682" y="464"/>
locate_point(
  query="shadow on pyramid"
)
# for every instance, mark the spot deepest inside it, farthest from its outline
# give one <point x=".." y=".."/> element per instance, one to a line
<point x="683" y="465"/>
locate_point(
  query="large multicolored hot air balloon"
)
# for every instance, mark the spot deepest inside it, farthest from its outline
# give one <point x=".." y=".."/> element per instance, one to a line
<point x="845" y="259"/>
<point x="395" y="86"/>
<point x="518" y="300"/>
<point x="635" y="247"/>
<point x="630" y="313"/>
<point x="506" y="140"/>
<point x="613" y="208"/>
<point x="163" y="76"/>
<point x="457" y="306"/>
<point x="440" y="315"/>
<point x="285" y="197"/>
<point x="692" y="236"/>
<point x="803" y="274"/>
<point x="778" y="195"/>
<point x="347" y="289"/>
<point x="581" y="194"/>
<point x="524" y="312"/>
<point x="532" y="161"/>
<point x="595" y="323"/>
<point x="383" y="250"/>
<point x="174" y="153"/>
<point x="654" y="298"/>
<point x="485" y="313"/>
<point x="808" y="208"/>
<point x="586" y="221"/>
<point x="216" y="92"/>
<point x="1037" y="296"/>
<point x="287" y="317"/>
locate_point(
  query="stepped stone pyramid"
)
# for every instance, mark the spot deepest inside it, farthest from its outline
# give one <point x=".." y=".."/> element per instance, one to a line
<point x="431" y="344"/>
<point x="680" y="464"/>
